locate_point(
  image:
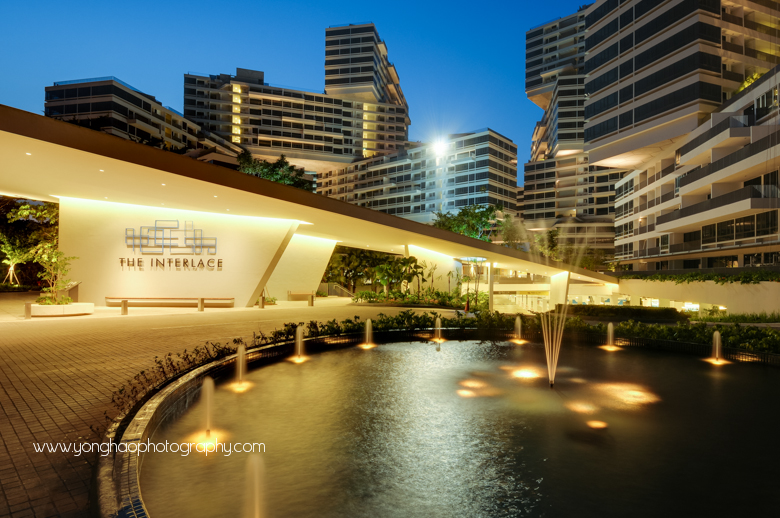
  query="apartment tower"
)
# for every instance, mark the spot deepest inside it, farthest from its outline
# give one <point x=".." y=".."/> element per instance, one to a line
<point x="562" y="190"/>
<point x="658" y="75"/>
<point x="362" y="112"/>
<point x="476" y="168"/>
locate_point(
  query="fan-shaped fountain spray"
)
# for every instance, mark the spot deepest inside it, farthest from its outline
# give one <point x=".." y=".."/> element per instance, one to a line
<point x="208" y="400"/>
<point x="554" y="322"/>
<point x="254" y="501"/>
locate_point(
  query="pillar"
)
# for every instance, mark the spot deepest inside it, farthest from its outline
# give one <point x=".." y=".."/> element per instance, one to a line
<point x="491" y="271"/>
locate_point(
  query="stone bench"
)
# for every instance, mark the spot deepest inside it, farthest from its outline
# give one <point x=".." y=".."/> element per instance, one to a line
<point x="170" y="302"/>
<point x="307" y="296"/>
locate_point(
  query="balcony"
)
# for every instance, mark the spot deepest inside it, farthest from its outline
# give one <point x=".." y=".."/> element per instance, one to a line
<point x="751" y="192"/>
<point x="733" y="76"/>
<point x="746" y="152"/>
<point x="740" y="124"/>
<point x="736" y="20"/>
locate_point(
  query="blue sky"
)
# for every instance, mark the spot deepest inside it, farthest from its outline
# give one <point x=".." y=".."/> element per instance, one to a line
<point x="460" y="63"/>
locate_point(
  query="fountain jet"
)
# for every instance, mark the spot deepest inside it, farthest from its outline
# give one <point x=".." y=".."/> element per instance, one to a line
<point x="437" y="331"/>
<point x="299" y="344"/>
<point x="208" y="399"/>
<point x="611" y="347"/>
<point x="553" y="325"/>
<point x="368" y="340"/>
<point x="518" y="339"/>
<point x="240" y="364"/>
<point x="254" y="501"/>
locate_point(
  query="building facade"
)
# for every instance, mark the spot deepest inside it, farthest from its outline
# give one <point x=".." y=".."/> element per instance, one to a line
<point x="478" y="168"/>
<point x="562" y="190"/>
<point x="656" y="70"/>
<point x="712" y="200"/>
<point x="110" y="105"/>
<point x="363" y="112"/>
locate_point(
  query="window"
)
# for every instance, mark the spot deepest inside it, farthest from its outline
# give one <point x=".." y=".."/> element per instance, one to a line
<point x="745" y="227"/>
<point x="766" y="223"/>
<point x="726" y="231"/>
<point x="708" y="234"/>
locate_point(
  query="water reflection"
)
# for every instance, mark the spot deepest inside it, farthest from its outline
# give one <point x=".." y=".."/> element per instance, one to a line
<point x="409" y="432"/>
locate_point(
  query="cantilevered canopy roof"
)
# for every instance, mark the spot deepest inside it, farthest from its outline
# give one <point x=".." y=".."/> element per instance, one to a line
<point x="44" y="159"/>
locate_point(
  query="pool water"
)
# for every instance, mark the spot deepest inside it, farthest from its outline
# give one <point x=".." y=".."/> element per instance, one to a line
<point x="472" y="430"/>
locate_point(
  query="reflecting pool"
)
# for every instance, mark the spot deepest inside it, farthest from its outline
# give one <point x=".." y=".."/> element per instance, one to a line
<point x="469" y="429"/>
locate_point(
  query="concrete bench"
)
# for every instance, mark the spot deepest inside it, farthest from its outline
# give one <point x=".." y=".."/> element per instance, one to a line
<point x="307" y="296"/>
<point x="170" y="302"/>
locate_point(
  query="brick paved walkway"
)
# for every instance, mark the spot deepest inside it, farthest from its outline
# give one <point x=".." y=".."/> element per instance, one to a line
<point x="57" y="375"/>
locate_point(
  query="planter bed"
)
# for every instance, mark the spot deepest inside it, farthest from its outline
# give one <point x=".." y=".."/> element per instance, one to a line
<point x="63" y="310"/>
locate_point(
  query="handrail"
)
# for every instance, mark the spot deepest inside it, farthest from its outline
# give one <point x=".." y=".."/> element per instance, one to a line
<point x="746" y="152"/>
<point x="751" y="191"/>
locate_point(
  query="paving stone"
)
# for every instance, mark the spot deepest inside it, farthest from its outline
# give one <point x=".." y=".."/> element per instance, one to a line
<point x="57" y="376"/>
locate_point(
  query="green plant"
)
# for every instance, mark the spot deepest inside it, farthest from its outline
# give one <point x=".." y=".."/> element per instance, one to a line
<point x="270" y="300"/>
<point x="744" y="277"/>
<point x="626" y="312"/>
<point x="321" y="294"/>
<point x="280" y="171"/>
<point x="55" y="268"/>
<point x="15" y="287"/>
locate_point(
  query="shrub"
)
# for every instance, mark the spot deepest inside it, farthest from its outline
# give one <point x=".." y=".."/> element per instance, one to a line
<point x="750" y="277"/>
<point x="14" y="287"/>
<point x="626" y="312"/>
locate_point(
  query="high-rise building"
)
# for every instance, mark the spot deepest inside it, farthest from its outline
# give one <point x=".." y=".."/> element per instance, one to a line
<point x="656" y="70"/>
<point x="477" y="168"/>
<point x="711" y="200"/>
<point x="363" y="112"/>
<point x="109" y="104"/>
<point x="657" y="73"/>
<point x="562" y="190"/>
<point x="520" y="206"/>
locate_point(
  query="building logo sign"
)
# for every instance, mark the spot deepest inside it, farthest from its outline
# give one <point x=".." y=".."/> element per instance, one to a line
<point x="168" y="237"/>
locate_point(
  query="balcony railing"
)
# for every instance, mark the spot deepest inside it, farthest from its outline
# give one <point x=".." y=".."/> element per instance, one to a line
<point x="733" y="76"/>
<point x="746" y="193"/>
<point x="736" y="20"/>
<point x="746" y="152"/>
<point x="724" y="125"/>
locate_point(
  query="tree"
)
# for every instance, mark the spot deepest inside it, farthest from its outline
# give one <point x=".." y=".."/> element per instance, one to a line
<point x="513" y="233"/>
<point x="43" y="218"/>
<point x="55" y="268"/>
<point x="547" y="244"/>
<point x="44" y="236"/>
<point x="280" y="171"/>
<point x="16" y="252"/>
<point x="473" y="221"/>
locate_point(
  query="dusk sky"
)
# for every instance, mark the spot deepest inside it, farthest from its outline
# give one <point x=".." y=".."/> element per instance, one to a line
<point x="461" y="64"/>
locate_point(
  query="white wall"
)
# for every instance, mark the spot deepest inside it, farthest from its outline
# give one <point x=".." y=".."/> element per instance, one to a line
<point x="301" y="267"/>
<point x="95" y="232"/>
<point x="738" y="298"/>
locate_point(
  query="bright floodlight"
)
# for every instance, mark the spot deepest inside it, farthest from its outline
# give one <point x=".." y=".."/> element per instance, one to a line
<point x="440" y="148"/>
